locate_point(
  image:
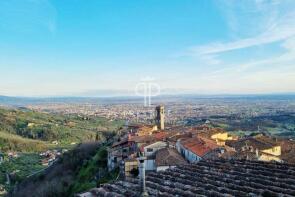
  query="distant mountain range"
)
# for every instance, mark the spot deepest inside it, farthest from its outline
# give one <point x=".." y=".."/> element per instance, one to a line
<point x="22" y="101"/>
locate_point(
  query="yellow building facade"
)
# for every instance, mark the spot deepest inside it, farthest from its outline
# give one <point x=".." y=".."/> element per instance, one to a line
<point x="130" y="164"/>
<point x="271" y="154"/>
<point x="276" y="151"/>
<point x="221" y="137"/>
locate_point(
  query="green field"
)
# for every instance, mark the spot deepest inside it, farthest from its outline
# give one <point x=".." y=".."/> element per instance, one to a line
<point x="18" y="169"/>
<point x="281" y="125"/>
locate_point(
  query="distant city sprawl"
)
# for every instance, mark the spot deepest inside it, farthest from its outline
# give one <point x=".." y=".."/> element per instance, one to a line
<point x="248" y="114"/>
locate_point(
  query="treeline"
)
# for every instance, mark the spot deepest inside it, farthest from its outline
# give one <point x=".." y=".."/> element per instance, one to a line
<point x="75" y="171"/>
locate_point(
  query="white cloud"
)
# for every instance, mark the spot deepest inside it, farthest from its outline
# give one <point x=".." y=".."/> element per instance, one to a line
<point x="279" y="32"/>
<point x="278" y="27"/>
<point x="273" y="22"/>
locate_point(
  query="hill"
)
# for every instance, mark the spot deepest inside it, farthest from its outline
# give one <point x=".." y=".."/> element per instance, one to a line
<point x="64" y="129"/>
<point x="29" y="132"/>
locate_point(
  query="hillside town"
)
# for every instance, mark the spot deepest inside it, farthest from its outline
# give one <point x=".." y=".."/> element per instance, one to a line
<point x="157" y="150"/>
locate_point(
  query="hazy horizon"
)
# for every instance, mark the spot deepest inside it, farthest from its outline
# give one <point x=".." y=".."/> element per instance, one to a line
<point x="112" y="94"/>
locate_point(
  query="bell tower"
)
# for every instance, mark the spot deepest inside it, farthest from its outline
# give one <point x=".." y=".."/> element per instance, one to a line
<point x="160" y="117"/>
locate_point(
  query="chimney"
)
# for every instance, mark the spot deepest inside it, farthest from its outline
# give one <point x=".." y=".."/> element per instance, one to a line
<point x="142" y="176"/>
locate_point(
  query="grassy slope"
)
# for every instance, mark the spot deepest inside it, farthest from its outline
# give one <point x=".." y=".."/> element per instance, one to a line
<point x="20" y="144"/>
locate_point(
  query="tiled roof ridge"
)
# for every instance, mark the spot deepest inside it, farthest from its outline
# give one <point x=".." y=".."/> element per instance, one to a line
<point x="212" y="178"/>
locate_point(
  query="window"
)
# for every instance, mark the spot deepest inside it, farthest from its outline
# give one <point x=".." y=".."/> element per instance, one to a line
<point x="149" y="150"/>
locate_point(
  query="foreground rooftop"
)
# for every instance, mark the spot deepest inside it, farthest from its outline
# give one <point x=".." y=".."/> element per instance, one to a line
<point x="211" y="178"/>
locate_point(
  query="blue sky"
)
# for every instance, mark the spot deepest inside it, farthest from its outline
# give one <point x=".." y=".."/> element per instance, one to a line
<point x="59" y="47"/>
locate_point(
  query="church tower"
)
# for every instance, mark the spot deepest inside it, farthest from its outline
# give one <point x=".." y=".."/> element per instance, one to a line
<point x="160" y="117"/>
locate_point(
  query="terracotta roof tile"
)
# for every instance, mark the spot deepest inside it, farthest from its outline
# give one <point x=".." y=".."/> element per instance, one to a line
<point x="169" y="156"/>
<point x="212" y="178"/>
<point x="199" y="146"/>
